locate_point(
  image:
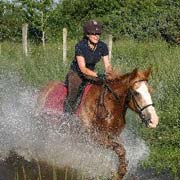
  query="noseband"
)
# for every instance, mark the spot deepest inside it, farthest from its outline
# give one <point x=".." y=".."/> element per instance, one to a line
<point x="138" y="109"/>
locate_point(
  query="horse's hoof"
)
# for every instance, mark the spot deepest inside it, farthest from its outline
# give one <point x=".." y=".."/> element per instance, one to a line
<point x="122" y="170"/>
<point x="116" y="176"/>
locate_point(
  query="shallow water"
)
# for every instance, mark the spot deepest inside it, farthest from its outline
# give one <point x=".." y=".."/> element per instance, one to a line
<point x="29" y="136"/>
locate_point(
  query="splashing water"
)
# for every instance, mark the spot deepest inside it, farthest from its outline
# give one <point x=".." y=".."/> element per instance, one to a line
<point x="26" y="133"/>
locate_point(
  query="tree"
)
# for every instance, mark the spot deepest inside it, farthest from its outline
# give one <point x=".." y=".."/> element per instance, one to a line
<point x="148" y="19"/>
<point x="36" y="14"/>
<point x="10" y="20"/>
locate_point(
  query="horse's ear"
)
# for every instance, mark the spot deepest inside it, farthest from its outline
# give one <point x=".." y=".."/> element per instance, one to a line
<point x="134" y="74"/>
<point x="135" y="70"/>
<point x="148" y="71"/>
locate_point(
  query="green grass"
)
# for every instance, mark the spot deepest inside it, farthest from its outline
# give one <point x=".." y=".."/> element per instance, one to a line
<point x="39" y="66"/>
<point x="43" y="65"/>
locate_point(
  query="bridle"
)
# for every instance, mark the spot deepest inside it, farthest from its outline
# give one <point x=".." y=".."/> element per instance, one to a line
<point x="138" y="109"/>
<point x="131" y="95"/>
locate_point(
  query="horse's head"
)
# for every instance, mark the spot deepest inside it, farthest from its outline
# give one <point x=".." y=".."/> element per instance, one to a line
<point x="139" y="97"/>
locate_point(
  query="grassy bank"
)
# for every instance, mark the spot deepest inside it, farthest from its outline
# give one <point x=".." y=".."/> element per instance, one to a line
<point x="43" y="65"/>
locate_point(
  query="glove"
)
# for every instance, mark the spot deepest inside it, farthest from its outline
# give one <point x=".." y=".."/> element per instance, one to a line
<point x="101" y="77"/>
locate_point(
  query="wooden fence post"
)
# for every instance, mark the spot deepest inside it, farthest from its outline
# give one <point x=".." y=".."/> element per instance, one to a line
<point x="24" y="38"/>
<point x="64" y="45"/>
<point x="43" y="38"/>
<point x="110" y="46"/>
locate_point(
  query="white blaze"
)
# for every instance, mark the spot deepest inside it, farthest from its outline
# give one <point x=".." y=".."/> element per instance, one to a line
<point x="146" y="100"/>
<point x="146" y="97"/>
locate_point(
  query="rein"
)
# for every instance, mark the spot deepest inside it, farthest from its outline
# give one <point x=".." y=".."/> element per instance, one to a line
<point x="106" y="86"/>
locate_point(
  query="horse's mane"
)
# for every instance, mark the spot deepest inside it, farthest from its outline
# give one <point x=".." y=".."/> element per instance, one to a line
<point x="116" y="75"/>
<point x="113" y="74"/>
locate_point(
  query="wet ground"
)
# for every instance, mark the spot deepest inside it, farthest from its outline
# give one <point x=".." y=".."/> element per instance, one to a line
<point x="16" y="168"/>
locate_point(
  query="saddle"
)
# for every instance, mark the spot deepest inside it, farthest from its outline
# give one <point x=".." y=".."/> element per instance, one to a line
<point x="53" y="100"/>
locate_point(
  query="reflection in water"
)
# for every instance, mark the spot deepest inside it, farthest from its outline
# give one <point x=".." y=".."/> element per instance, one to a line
<point x="16" y="167"/>
<point x="30" y="136"/>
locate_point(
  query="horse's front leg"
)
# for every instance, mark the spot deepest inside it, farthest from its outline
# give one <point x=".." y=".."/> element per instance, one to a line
<point x="118" y="148"/>
<point x="120" y="151"/>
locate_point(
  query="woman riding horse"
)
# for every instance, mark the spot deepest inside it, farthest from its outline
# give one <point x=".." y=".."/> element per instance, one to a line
<point x="88" y="52"/>
<point x="104" y="107"/>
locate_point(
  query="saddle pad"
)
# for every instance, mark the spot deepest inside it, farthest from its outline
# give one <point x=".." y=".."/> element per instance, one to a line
<point x="55" y="99"/>
<point x="54" y="102"/>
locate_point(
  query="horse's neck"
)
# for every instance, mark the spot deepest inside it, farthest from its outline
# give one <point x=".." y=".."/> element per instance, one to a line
<point x="120" y="86"/>
<point x="118" y="90"/>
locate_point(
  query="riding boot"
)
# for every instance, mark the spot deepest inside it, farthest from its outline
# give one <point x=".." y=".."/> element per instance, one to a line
<point x="67" y="106"/>
<point x="73" y="82"/>
<point x="71" y="104"/>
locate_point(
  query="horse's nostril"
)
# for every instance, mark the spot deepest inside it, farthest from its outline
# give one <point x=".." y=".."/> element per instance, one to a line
<point x="146" y="118"/>
<point x="142" y="116"/>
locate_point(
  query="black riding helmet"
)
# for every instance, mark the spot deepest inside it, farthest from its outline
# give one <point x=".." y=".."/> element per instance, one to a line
<point x="92" y="27"/>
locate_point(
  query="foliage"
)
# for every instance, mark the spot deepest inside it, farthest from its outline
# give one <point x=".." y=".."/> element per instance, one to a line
<point x="35" y="13"/>
<point x="10" y="24"/>
<point x="148" y="19"/>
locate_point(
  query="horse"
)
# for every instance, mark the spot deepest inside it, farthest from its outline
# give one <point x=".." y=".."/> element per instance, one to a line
<point x="103" y="107"/>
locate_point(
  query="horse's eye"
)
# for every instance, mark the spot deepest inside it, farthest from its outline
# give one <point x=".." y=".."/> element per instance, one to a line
<point x="136" y="93"/>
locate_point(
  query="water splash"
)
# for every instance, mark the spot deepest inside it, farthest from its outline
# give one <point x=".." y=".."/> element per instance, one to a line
<point x="136" y="150"/>
<point x="26" y="133"/>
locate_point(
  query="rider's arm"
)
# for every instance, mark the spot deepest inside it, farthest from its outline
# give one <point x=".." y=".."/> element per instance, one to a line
<point x="83" y="68"/>
<point x="107" y="65"/>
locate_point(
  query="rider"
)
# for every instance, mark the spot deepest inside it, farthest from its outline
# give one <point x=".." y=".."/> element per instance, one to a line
<point x="88" y="52"/>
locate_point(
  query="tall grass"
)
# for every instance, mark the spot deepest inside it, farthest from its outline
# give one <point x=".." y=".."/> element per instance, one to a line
<point x="43" y="65"/>
<point x="164" y="141"/>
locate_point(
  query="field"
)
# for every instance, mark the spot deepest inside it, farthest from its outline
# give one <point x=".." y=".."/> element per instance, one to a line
<point x="44" y="64"/>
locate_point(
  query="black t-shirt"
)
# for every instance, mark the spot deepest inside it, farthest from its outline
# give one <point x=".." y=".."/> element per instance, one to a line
<point x="92" y="57"/>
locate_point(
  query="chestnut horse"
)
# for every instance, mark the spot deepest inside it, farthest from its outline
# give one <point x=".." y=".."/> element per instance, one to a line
<point x="104" y="107"/>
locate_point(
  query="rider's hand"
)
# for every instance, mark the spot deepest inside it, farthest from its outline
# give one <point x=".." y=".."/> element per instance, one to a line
<point x="101" y="77"/>
<point x="110" y="75"/>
